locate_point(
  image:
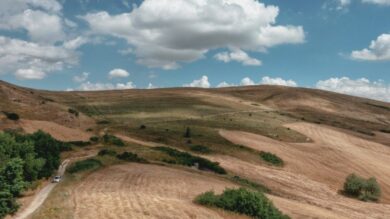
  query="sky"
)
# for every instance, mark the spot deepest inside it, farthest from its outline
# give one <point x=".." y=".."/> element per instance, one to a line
<point x="336" y="45"/>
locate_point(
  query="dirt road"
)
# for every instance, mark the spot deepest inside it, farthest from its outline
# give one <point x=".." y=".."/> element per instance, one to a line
<point x="41" y="196"/>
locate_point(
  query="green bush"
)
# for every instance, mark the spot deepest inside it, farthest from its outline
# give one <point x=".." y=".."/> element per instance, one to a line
<point x="253" y="204"/>
<point x="73" y="111"/>
<point x="8" y="204"/>
<point x="80" y="143"/>
<point x="249" y="184"/>
<point x="94" y="139"/>
<point x="112" y="139"/>
<point x="84" y="165"/>
<point x="11" y="116"/>
<point x="271" y="158"/>
<point x="358" y="187"/>
<point x="200" y="149"/>
<point x="187" y="159"/>
<point x="131" y="157"/>
<point x="108" y="152"/>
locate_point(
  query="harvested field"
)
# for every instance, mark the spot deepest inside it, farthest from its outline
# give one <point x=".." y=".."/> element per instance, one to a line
<point x="143" y="191"/>
<point x="314" y="172"/>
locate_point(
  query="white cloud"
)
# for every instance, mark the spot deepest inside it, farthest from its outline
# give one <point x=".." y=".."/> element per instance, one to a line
<point x="29" y="74"/>
<point x="378" y="2"/>
<point x="360" y="87"/>
<point x="238" y="56"/>
<point x="203" y="82"/>
<point x="88" y="86"/>
<point x="18" y="54"/>
<point x="40" y="18"/>
<point x="278" y="81"/>
<point x="118" y="73"/>
<point x="81" y="78"/>
<point x="75" y="43"/>
<point x="225" y="84"/>
<point x="190" y="28"/>
<point x="247" y="82"/>
<point x="379" y="50"/>
<point x="151" y="86"/>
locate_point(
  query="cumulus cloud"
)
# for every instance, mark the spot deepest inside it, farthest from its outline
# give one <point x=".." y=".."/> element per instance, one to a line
<point x="203" y="82"/>
<point x="278" y="81"/>
<point x="378" y="2"/>
<point x="238" y="56"/>
<point x="360" y="87"/>
<point x="40" y="18"/>
<point x="379" y="50"/>
<point x="30" y="74"/>
<point x="225" y="84"/>
<point x="88" y="86"/>
<point x="118" y="73"/>
<point x="247" y="82"/>
<point x="81" y="78"/>
<point x="190" y="28"/>
<point x="151" y="86"/>
<point x="19" y="54"/>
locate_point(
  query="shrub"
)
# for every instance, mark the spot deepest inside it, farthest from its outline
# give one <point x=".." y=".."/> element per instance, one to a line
<point x="249" y="184"/>
<point x="253" y="204"/>
<point x="103" y="122"/>
<point x="358" y="187"/>
<point x="271" y="158"/>
<point x="187" y="134"/>
<point x="142" y="127"/>
<point x="112" y="139"/>
<point x="187" y="159"/>
<point x="200" y="148"/>
<point x="73" y="111"/>
<point x="131" y="157"/>
<point x="11" y="116"/>
<point x="108" y="152"/>
<point x="8" y="204"/>
<point x="94" y="139"/>
<point x="80" y="143"/>
<point x="84" y="165"/>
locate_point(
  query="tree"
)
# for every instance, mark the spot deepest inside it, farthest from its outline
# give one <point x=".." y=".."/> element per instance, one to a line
<point x="187" y="134"/>
<point x="365" y="190"/>
<point x="11" y="177"/>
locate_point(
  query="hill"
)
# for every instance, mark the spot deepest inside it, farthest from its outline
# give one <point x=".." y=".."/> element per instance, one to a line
<point x="321" y="137"/>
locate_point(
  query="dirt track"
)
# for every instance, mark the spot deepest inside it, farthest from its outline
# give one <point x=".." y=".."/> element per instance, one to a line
<point x="314" y="172"/>
<point x="143" y="191"/>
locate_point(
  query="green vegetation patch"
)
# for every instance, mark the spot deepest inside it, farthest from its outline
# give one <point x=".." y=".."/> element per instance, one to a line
<point x="89" y="164"/>
<point x="11" y="116"/>
<point x="243" y="201"/>
<point x="131" y="157"/>
<point x="271" y="158"/>
<point x="73" y="111"/>
<point x="187" y="159"/>
<point x="249" y="184"/>
<point x="200" y="149"/>
<point x="362" y="189"/>
<point x="107" y="152"/>
<point x="24" y="159"/>
<point x="112" y="139"/>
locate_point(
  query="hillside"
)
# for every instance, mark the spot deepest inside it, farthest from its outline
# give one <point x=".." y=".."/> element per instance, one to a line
<point x="321" y="136"/>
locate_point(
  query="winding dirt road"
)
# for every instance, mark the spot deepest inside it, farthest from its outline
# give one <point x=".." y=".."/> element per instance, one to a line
<point x="42" y="195"/>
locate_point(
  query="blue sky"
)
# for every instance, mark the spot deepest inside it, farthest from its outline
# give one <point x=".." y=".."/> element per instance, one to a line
<point x="338" y="45"/>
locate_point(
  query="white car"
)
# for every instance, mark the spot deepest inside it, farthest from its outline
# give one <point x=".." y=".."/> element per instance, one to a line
<point x="56" y="179"/>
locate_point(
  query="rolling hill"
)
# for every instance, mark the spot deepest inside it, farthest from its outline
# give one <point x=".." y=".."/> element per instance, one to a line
<point x="321" y="136"/>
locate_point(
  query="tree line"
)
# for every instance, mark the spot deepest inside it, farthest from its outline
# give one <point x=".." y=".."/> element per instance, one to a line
<point x="23" y="160"/>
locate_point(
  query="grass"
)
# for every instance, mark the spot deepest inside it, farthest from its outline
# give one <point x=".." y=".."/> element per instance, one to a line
<point x="200" y="149"/>
<point x="243" y="201"/>
<point x="250" y="184"/>
<point x="271" y="158"/>
<point x="131" y="157"/>
<point x="89" y="164"/>
<point x="187" y="159"/>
